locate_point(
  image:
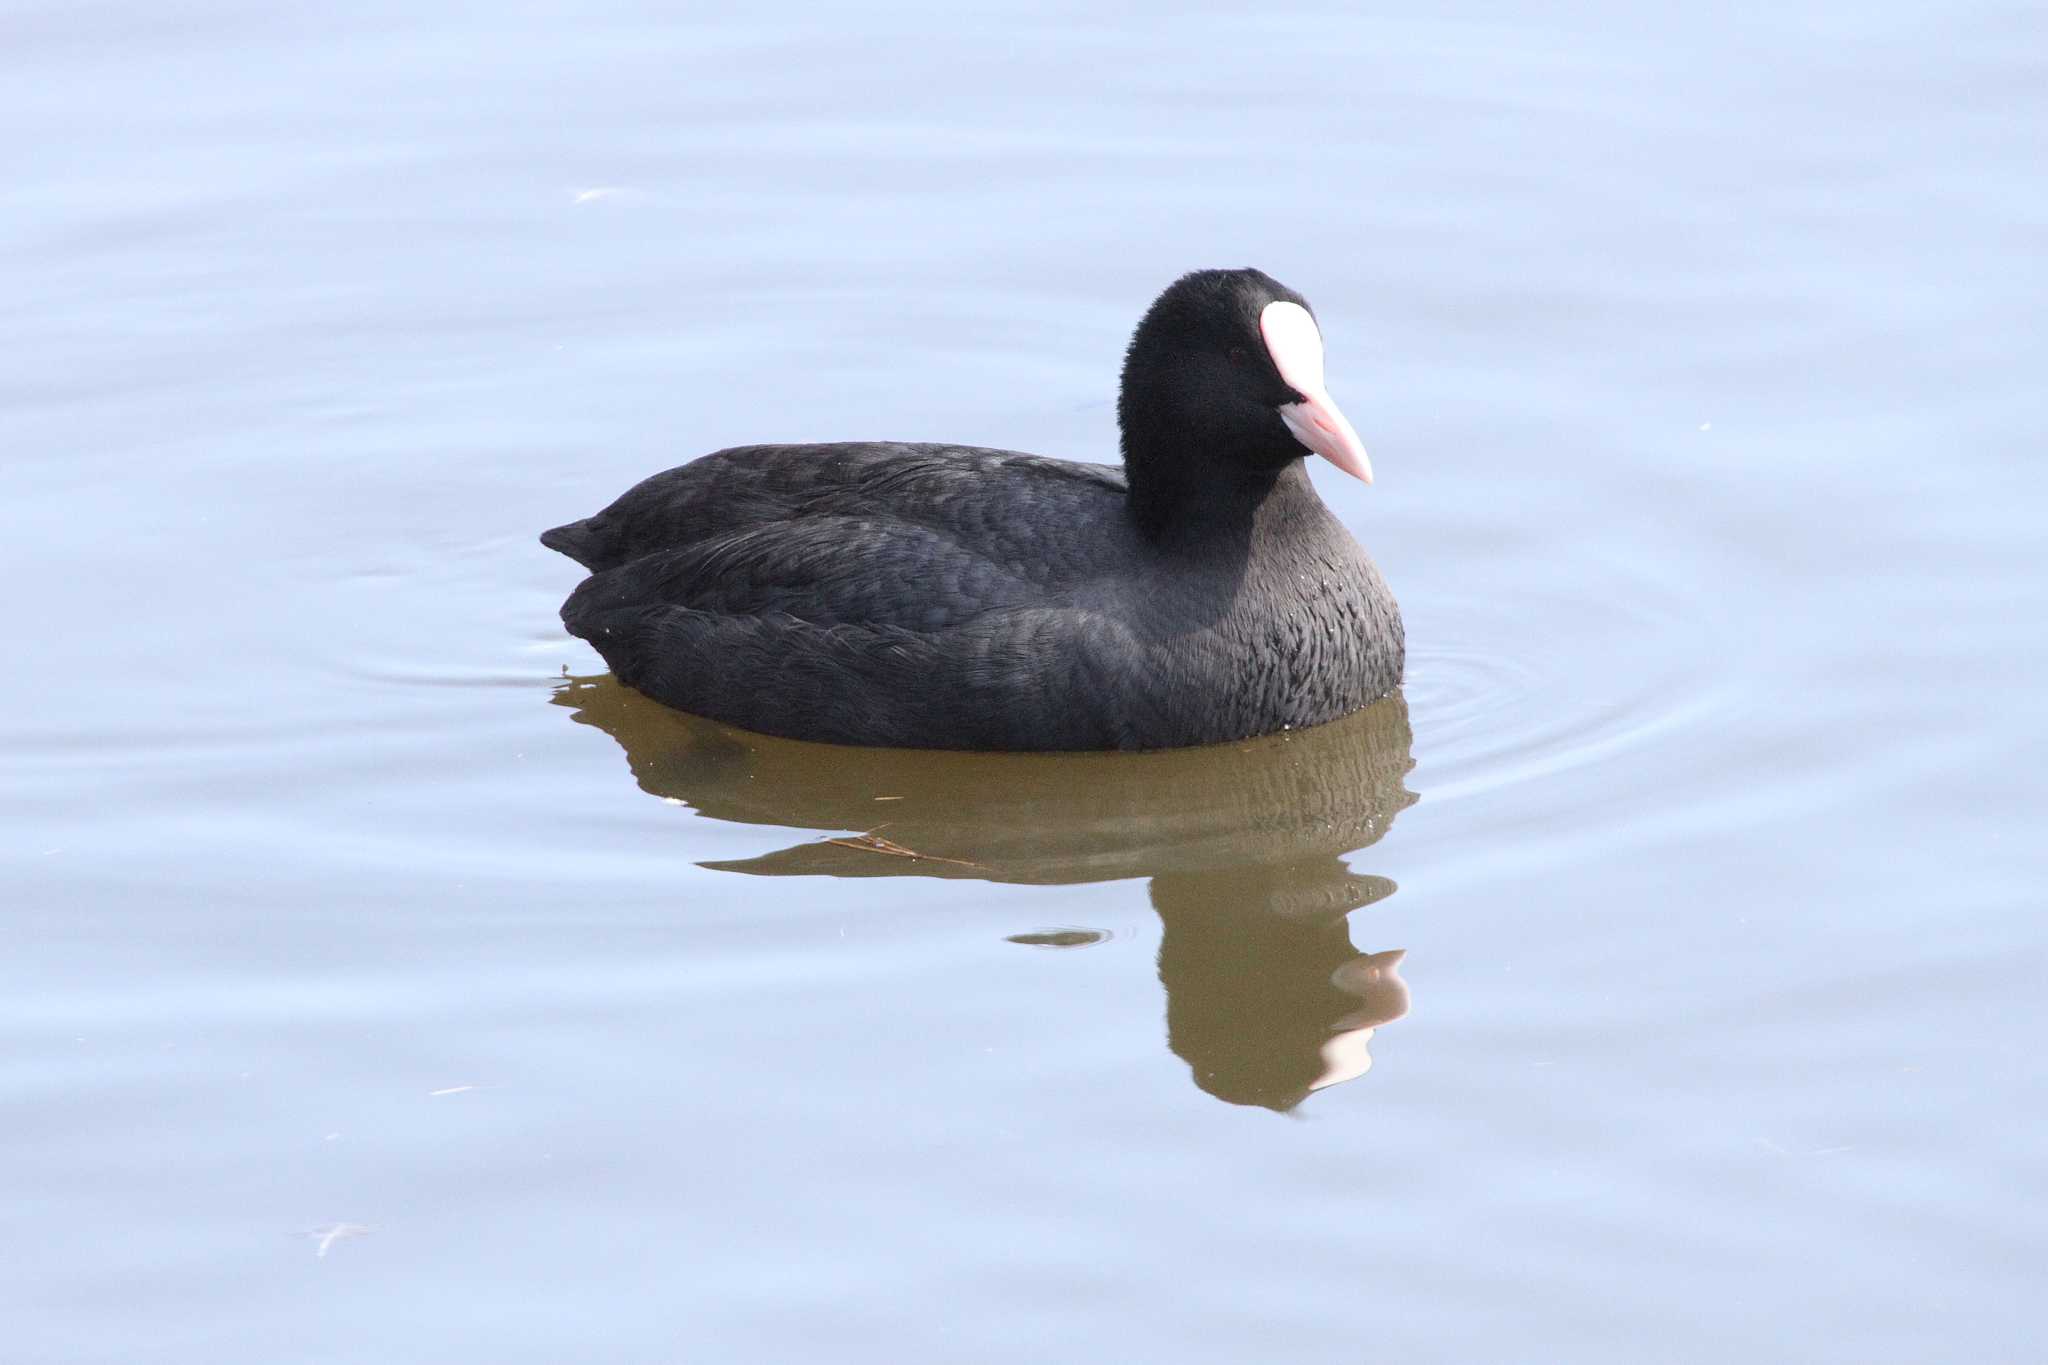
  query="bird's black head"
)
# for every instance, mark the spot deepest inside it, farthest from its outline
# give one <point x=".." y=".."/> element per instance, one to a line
<point x="1223" y="382"/>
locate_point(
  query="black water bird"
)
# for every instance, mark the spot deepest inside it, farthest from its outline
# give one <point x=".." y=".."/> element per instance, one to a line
<point x="952" y="597"/>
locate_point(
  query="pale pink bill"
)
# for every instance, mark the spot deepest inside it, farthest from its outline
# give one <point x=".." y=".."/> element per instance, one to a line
<point x="1296" y="346"/>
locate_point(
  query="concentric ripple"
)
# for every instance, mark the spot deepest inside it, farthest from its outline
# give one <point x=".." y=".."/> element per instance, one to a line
<point x="1511" y="688"/>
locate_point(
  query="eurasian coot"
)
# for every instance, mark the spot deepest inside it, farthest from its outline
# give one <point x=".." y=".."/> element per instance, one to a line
<point x="950" y="597"/>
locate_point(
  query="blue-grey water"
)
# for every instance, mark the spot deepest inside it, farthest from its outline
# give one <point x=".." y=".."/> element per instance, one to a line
<point x="380" y="982"/>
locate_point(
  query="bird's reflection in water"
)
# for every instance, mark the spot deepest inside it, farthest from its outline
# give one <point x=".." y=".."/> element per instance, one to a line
<point x="1267" y="1000"/>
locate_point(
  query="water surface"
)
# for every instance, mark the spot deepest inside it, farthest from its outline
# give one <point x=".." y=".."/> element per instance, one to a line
<point x="1658" y="978"/>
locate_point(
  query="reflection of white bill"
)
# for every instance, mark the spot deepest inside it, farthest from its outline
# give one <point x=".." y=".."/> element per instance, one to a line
<point x="1345" y="1058"/>
<point x="1376" y="980"/>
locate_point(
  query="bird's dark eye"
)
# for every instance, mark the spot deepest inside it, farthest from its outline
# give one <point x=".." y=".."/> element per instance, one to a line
<point x="1238" y="355"/>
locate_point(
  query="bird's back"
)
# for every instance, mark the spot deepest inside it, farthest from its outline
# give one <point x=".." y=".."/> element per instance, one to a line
<point x="873" y="593"/>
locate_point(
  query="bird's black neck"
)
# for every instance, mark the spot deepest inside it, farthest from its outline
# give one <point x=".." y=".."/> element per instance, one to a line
<point x="1202" y="499"/>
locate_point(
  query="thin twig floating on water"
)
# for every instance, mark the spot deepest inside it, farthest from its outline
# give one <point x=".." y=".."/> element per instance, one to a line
<point x="335" y="1232"/>
<point x="872" y="842"/>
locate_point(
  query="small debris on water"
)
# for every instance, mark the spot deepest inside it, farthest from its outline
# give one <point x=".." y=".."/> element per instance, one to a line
<point x="336" y="1232"/>
<point x="874" y="843"/>
<point x="1060" y="938"/>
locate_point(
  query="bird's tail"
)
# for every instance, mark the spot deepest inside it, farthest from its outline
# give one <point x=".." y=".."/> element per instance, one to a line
<point x="578" y="540"/>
